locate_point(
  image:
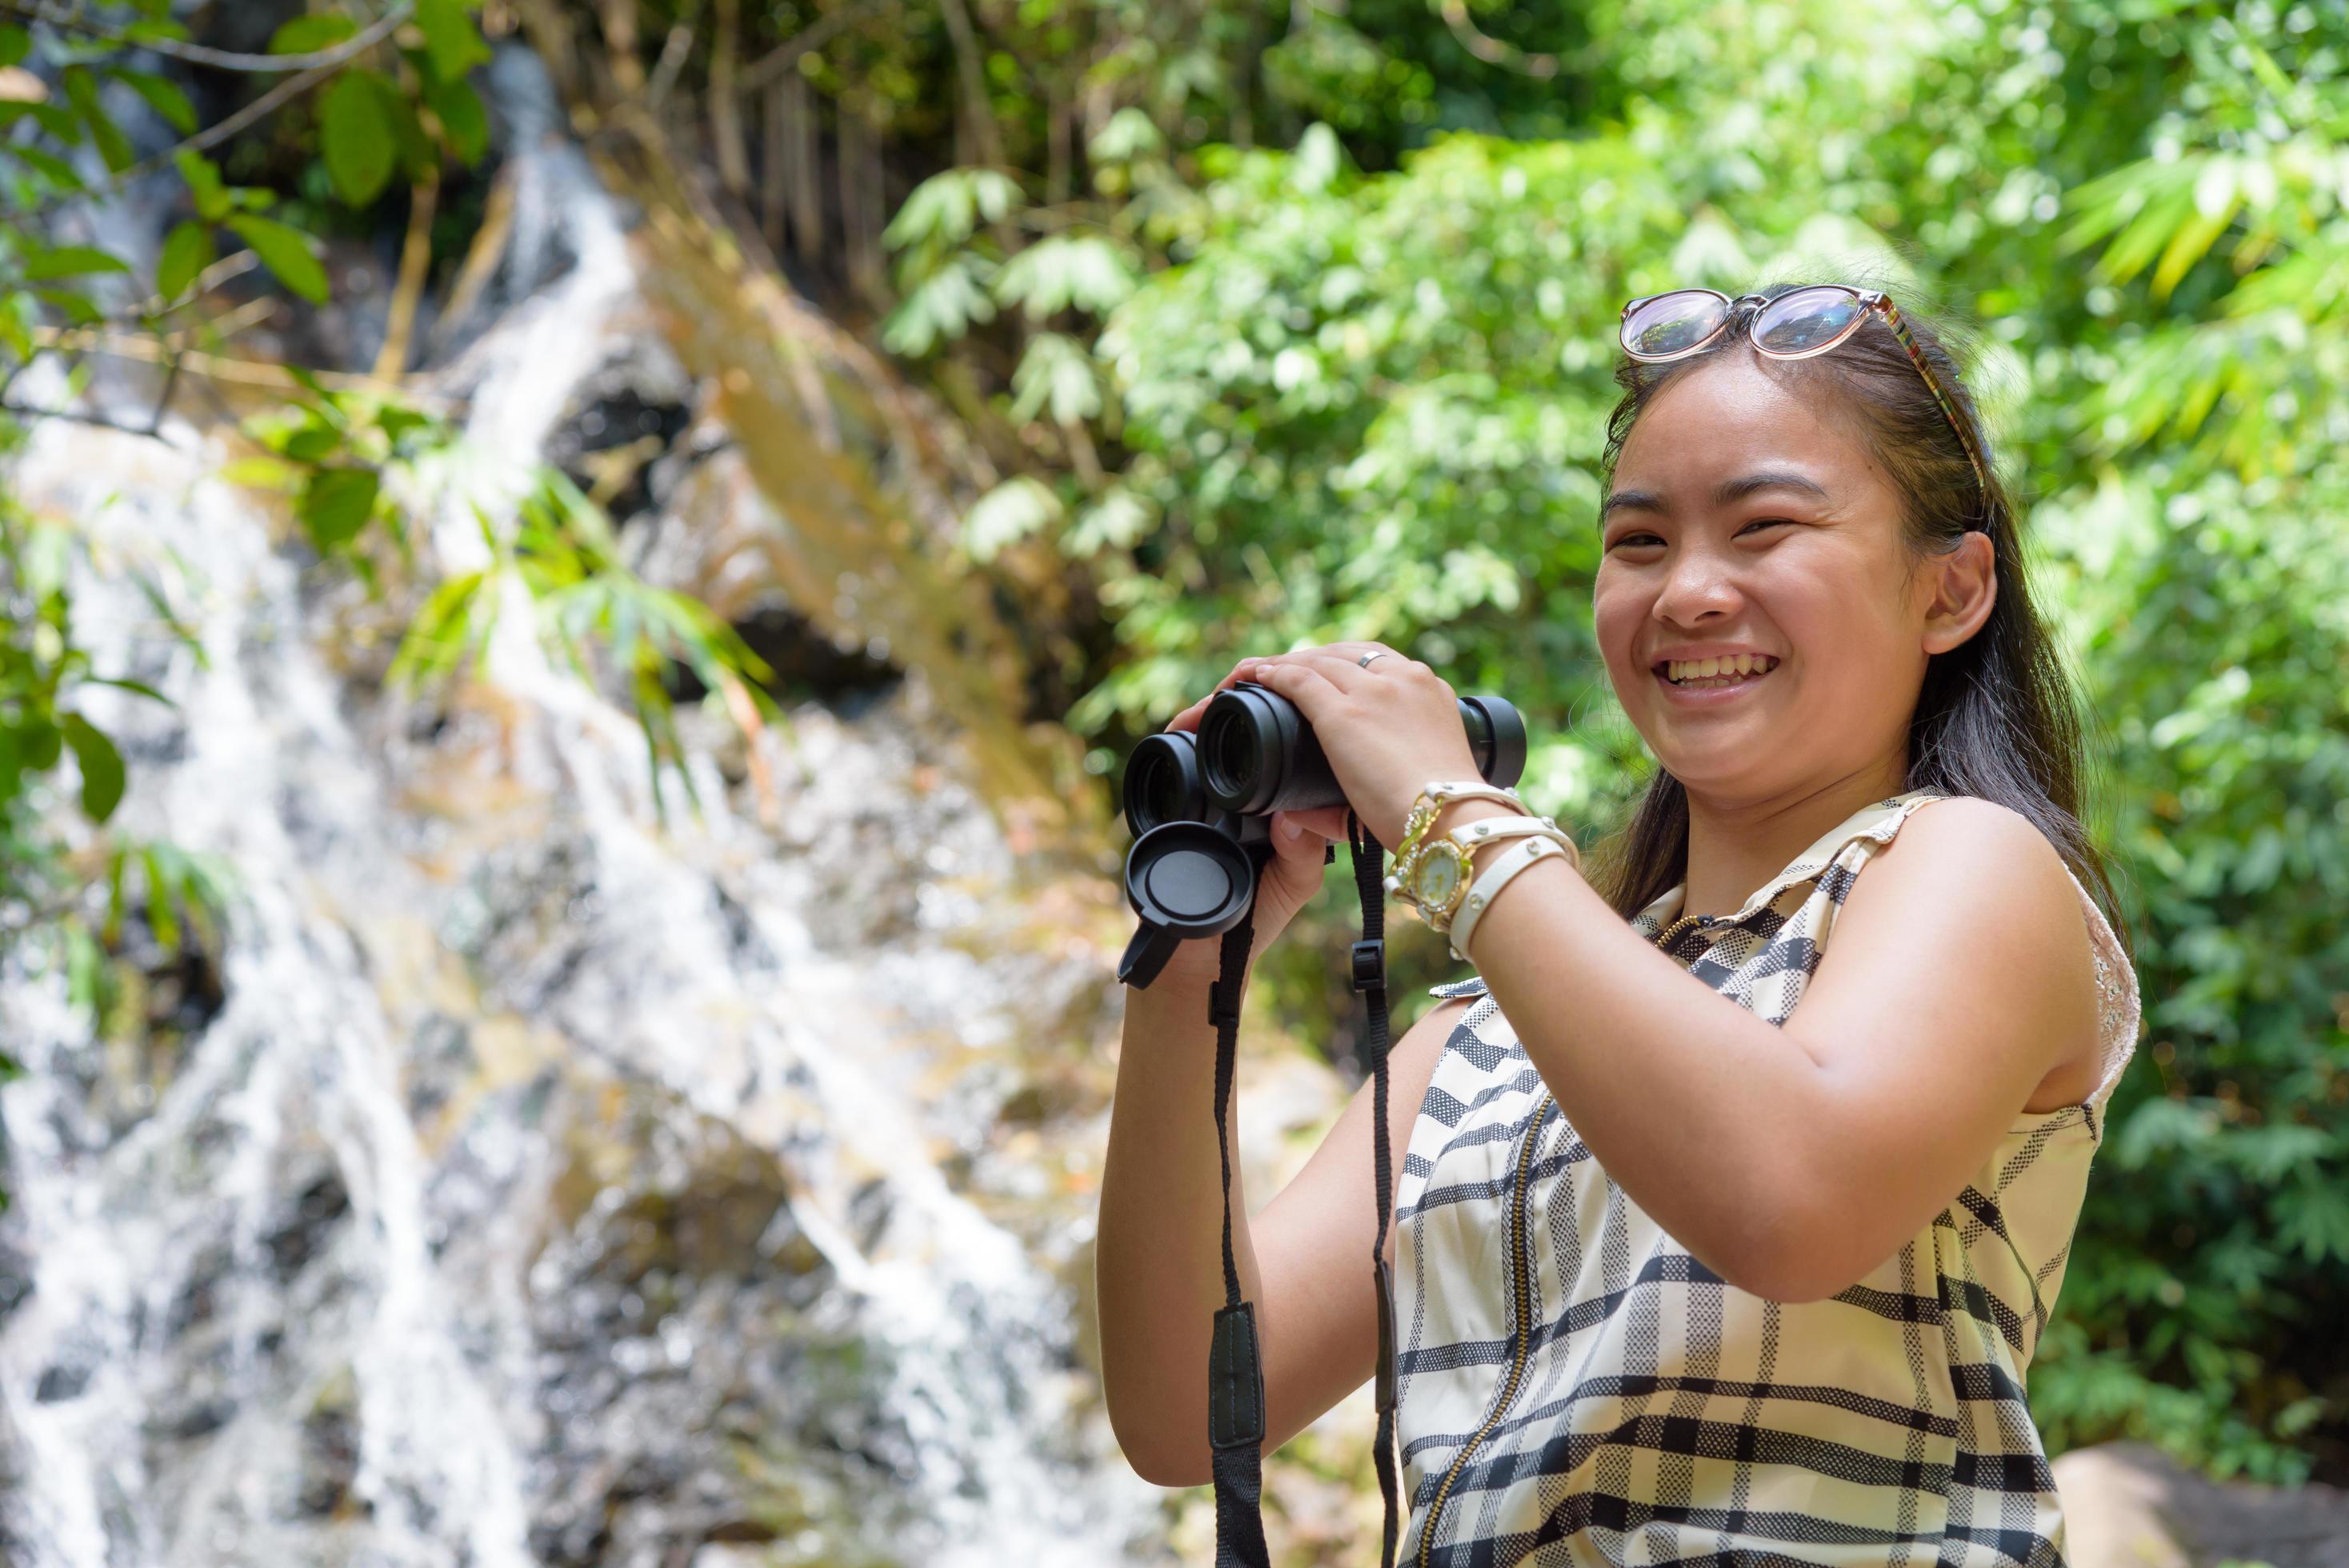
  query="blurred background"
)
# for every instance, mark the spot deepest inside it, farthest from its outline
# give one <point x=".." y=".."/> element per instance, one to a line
<point x="580" y="574"/>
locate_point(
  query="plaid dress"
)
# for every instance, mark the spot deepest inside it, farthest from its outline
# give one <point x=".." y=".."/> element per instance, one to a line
<point x="1575" y="1388"/>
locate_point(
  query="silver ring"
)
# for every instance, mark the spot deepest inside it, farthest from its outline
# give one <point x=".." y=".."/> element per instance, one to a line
<point x="1365" y="660"/>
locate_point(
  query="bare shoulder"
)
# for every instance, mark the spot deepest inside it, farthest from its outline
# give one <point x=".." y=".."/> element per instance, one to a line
<point x="1964" y="833"/>
<point x="1978" y="880"/>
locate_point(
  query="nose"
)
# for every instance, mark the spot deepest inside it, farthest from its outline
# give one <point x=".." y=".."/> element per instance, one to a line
<point x="1698" y="587"/>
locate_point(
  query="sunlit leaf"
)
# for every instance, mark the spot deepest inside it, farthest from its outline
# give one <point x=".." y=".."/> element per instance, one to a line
<point x="336" y="504"/>
<point x="452" y="44"/>
<point x="188" y="249"/>
<point x="67" y="262"/>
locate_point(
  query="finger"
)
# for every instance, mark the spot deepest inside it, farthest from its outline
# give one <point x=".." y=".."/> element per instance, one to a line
<point x="1319" y="825"/>
<point x="1305" y="682"/>
<point x="1340" y="670"/>
<point x="1189" y="717"/>
<point x="1325" y="822"/>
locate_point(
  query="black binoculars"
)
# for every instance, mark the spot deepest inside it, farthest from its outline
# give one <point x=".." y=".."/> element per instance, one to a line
<point x="1200" y="807"/>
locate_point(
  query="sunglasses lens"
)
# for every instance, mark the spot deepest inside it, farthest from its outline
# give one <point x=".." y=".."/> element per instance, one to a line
<point x="1806" y="321"/>
<point x="1671" y="323"/>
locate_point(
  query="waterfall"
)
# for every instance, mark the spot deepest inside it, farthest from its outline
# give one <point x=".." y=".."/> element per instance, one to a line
<point x="532" y="1180"/>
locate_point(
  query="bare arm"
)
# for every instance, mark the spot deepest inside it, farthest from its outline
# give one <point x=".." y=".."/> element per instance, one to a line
<point x="1304" y="1260"/>
<point x="1793" y="1161"/>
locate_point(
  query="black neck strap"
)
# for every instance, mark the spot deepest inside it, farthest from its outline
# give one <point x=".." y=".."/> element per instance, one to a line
<point x="1235" y="1418"/>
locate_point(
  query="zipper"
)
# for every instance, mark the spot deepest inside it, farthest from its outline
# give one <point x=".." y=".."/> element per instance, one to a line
<point x="1521" y="1271"/>
<point x="1665" y="938"/>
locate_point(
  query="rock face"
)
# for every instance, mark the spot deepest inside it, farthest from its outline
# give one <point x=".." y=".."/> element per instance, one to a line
<point x="2129" y="1505"/>
<point x="529" y="1178"/>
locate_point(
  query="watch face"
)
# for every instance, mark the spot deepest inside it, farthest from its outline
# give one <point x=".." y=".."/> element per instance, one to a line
<point x="1438" y="878"/>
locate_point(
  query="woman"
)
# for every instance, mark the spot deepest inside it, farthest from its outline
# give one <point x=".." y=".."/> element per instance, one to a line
<point x="1737" y="1188"/>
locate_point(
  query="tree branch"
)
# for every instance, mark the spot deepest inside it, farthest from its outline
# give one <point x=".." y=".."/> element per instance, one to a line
<point x="1490" y="50"/>
<point x="770" y="66"/>
<point x="284" y="92"/>
<point x="199" y="54"/>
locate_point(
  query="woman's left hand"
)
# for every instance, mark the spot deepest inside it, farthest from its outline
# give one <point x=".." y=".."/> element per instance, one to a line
<point x="1389" y="730"/>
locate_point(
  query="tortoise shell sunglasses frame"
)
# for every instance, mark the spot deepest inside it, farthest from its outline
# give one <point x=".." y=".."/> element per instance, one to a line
<point x="1800" y="323"/>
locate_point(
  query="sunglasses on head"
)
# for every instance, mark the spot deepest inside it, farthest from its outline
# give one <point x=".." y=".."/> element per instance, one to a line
<point x="1798" y="325"/>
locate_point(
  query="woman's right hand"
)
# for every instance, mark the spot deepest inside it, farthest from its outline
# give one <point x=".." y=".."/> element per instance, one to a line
<point x="1296" y="873"/>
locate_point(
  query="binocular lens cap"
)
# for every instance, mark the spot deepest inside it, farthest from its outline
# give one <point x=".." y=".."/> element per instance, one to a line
<point x="1189" y="878"/>
<point x="1189" y="885"/>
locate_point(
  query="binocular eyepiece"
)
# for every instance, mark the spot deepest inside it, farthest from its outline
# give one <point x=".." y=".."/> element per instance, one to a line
<point x="1200" y="809"/>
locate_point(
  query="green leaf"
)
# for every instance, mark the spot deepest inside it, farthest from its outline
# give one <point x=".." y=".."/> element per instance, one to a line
<point x="66" y="262"/>
<point x="1007" y="513"/>
<point x="188" y="249"/>
<point x="77" y="308"/>
<point x="308" y="35"/>
<point x="313" y="443"/>
<point x="357" y="136"/>
<point x="56" y="121"/>
<point x="452" y="45"/>
<point x="1057" y="372"/>
<point x="56" y="170"/>
<point x="155" y="30"/>
<point x="101" y="767"/>
<point x="14" y="44"/>
<point x="138" y="688"/>
<point x="81" y="91"/>
<point x="163" y="96"/>
<point x="1085" y="270"/>
<point x="948" y="206"/>
<point x="337" y="504"/>
<point x="205" y="184"/>
<point x="286" y="252"/>
<point x="462" y="120"/>
<point x="38" y="743"/>
<point x="159" y="916"/>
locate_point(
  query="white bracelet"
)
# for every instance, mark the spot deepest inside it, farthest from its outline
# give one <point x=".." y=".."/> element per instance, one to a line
<point x="1489" y="885"/>
<point x="1483" y="830"/>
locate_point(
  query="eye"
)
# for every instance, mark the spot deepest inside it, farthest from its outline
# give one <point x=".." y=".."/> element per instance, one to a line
<point x="1634" y="539"/>
<point x="1768" y="523"/>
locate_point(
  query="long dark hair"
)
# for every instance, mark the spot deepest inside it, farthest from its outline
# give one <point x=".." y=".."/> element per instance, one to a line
<point x="1998" y="716"/>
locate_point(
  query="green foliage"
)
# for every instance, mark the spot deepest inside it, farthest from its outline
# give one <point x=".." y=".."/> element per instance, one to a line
<point x="1359" y="391"/>
<point x="593" y="613"/>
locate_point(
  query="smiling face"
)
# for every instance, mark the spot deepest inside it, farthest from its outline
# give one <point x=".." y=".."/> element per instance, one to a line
<point x="1746" y="517"/>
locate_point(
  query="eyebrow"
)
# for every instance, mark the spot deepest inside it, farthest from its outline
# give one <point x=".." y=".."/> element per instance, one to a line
<point x="1727" y="493"/>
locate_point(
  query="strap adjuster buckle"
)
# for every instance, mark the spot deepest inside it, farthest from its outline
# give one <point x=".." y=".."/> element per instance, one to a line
<point x="1370" y="960"/>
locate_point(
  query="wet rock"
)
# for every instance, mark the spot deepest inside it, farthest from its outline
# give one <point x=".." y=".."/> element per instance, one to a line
<point x="303" y="1234"/>
<point x="60" y="1382"/>
<point x="330" y="1450"/>
<point x="2129" y="1505"/>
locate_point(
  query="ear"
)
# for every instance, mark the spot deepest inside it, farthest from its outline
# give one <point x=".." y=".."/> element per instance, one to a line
<point x="1964" y="590"/>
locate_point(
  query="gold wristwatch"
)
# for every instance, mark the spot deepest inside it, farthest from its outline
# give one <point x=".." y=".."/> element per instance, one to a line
<point x="1402" y="883"/>
<point x="1439" y="876"/>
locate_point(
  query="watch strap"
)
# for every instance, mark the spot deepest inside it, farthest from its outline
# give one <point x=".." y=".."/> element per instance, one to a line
<point x="1495" y="877"/>
<point x="1431" y="800"/>
<point x="1465" y="841"/>
<point x="1485" y="830"/>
